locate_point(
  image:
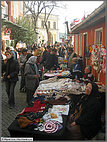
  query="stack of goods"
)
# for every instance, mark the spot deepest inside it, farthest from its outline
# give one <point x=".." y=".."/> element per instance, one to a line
<point x="62" y="62"/>
<point x="43" y="117"/>
<point x="57" y="73"/>
<point x="65" y="73"/>
<point x="60" y="87"/>
<point x="52" y="120"/>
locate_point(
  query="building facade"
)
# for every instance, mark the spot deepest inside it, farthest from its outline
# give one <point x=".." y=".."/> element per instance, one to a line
<point x="90" y="43"/>
<point x="10" y="12"/>
<point x="52" y="26"/>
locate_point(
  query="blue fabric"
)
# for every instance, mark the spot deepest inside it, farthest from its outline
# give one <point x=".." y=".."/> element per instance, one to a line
<point x="76" y="67"/>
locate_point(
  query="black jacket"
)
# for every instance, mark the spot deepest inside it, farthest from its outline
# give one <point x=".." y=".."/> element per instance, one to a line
<point x="90" y="117"/>
<point x="44" y="57"/>
<point x="12" y="69"/>
<point x="51" y="62"/>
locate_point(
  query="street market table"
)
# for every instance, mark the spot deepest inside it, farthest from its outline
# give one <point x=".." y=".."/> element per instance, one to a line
<point x="58" y="73"/>
<point x="56" y="87"/>
<point x="52" y="90"/>
<point x="16" y="131"/>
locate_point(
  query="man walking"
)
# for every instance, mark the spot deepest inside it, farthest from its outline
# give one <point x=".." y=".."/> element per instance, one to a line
<point x="11" y="71"/>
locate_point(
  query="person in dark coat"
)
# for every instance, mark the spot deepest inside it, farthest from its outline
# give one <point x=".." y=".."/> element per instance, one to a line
<point x="75" y="69"/>
<point x="31" y="77"/>
<point x="87" y="75"/>
<point x="61" y="52"/>
<point x="45" y="55"/>
<point x="23" y="59"/>
<point x="52" y="61"/>
<point x="86" y="122"/>
<point x="11" y="71"/>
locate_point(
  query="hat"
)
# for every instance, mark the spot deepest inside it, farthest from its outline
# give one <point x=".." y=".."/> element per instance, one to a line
<point x="74" y="59"/>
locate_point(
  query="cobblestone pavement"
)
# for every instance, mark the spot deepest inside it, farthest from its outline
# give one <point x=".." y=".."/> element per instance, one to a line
<point x="8" y="115"/>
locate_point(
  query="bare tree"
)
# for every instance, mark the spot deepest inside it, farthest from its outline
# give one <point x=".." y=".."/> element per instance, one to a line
<point x="46" y="17"/>
<point x="35" y="8"/>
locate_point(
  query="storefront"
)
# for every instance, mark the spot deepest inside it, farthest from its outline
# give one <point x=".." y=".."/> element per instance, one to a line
<point x="6" y="38"/>
<point x="89" y="42"/>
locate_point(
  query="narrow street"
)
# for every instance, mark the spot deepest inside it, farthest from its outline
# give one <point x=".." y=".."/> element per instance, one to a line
<point x="8" y="115"/>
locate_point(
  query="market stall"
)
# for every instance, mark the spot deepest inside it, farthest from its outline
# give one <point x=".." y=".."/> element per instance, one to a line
<point x="50" y="129"/>
<point x="47" y="116"/>
<point x="58" y="73"/>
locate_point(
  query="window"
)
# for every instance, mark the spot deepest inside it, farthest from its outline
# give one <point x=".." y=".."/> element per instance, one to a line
<point x="76" y="44"/>
<point x="5" y="11"/>
<point x="15" y="9"/>
<point x="80" y="44"/>
<point x="98" y="36"/>
<point x="54" y="25"/>
<point x="42" y="24"/>
<point x="48" y="24"/>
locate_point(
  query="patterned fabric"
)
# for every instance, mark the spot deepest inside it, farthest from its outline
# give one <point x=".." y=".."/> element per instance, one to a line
<point x="52" y="126"/>
<point x="88" y="77"/>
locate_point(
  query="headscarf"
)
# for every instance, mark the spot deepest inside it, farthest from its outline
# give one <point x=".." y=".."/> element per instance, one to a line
<point x="94" y="91"/>
<point x="32" y="60"/>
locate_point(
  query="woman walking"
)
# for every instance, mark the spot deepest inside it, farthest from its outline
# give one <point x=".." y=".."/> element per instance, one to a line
<point x="31" y="77"/>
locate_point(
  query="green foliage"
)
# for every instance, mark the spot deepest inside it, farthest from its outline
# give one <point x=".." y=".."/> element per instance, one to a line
<point x="28" y="36"/>
<point x="23" y="31"/>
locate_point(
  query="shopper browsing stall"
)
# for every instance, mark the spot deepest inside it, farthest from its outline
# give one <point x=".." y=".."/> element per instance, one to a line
<point x="31" y="77"/>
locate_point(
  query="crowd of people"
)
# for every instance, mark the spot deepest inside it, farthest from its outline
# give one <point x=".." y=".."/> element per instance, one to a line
<point x="31" y="64"/>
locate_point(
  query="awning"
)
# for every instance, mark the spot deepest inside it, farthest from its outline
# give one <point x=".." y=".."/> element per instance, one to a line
<point x="98" y="15"/>
<point x="12" y="25"/>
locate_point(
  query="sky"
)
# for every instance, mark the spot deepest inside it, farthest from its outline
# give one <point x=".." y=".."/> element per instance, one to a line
<point x="73" y="10"/>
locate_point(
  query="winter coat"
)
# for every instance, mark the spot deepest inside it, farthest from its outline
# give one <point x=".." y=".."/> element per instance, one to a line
<point x="30" y="81"/>
<point x="61" y="52"/>
<point x="90" y="117"/>
<point x="11" y="68"/>
<point x="44" y="57"/>
<point x="51" y="62"/>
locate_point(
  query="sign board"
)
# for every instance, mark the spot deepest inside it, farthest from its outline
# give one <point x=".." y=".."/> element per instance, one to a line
<point x="63" y="39"/>
<point x="6" y="37"/>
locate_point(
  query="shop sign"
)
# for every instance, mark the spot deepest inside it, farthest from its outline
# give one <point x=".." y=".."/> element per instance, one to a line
<point x="63" y="39"/>
<point x="6" y="37"/>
